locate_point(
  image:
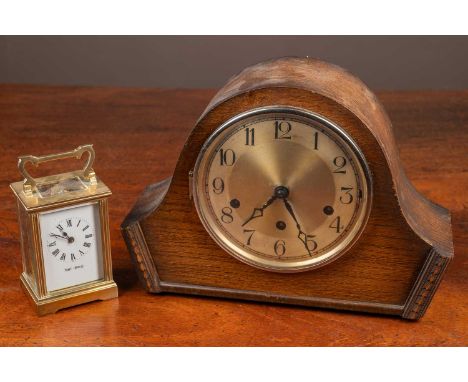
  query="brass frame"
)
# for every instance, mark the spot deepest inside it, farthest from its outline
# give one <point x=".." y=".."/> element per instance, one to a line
<point x="29" y="199"/>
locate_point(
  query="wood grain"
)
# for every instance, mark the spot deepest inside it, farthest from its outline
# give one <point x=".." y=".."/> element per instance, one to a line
<point x="386" y="271"/>
<point x="138" y="134"/>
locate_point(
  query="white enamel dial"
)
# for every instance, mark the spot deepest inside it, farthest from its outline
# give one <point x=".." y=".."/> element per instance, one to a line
<point x="71" y="245"/>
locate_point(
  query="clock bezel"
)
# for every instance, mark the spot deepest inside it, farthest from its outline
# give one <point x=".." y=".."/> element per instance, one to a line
<point x="244" y="256"/>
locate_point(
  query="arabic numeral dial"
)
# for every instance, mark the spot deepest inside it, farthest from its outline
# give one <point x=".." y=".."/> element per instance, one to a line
<point x="282" y="189"/>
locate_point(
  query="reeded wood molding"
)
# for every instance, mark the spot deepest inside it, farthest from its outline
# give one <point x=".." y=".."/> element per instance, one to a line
<point x="133" y="235"/>
<point x="141" y="257"/>
<point x="424" y="289"/>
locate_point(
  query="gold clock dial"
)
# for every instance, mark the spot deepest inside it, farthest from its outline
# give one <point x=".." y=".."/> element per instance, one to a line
<point x="282" y="189"/>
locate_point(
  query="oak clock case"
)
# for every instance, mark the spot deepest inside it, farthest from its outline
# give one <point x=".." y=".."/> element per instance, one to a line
<point x="251" y="209"/>
<point x="64" y="230"/>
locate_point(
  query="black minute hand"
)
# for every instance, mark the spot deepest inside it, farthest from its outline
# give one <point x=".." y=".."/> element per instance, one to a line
<point x="302" y="236"/>
<point x="257" y="212"/>
<point x="61" y="237"/>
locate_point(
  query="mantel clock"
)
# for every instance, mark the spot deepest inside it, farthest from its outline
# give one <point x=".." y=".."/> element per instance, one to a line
<point x="64" y="228"/>
<point x="289" y="189"/>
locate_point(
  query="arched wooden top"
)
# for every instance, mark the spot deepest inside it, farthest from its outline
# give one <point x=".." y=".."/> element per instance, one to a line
<point x="430" y="221"/>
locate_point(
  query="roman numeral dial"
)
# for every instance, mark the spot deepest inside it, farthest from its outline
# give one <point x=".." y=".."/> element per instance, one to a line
<point x="71" y="239"/>
<point x="282" y="189"/>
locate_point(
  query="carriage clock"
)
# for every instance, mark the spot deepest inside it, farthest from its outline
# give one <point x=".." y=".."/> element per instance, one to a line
<point x="290" y="190"/>
<point x="64" y="228"/>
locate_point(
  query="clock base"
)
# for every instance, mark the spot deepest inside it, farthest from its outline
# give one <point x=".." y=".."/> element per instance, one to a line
<point x="150" y="268"/>
<point x="103" y="290"/>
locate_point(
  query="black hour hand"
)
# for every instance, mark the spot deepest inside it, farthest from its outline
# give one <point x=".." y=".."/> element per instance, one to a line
<point x="258" y="212"/>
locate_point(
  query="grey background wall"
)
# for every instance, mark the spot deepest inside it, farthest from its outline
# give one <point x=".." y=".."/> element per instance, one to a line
<point x="383" y="62"/>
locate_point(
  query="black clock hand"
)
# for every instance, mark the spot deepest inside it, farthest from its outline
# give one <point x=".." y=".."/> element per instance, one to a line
<point x="279" y="192"/>
<point x="61" y="237"/>
<point x="258" y="212"/>
<point x="66" y="235"/>
<point x="302" y="236"/>
<point x="70" y="239"/>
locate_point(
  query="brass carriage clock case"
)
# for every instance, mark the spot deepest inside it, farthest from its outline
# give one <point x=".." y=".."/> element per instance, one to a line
<point x="55" y="263"/>
<point x="290" y="190"/>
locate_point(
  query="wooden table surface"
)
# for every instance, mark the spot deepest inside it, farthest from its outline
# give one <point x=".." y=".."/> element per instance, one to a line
<point x="137" y="135"/>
